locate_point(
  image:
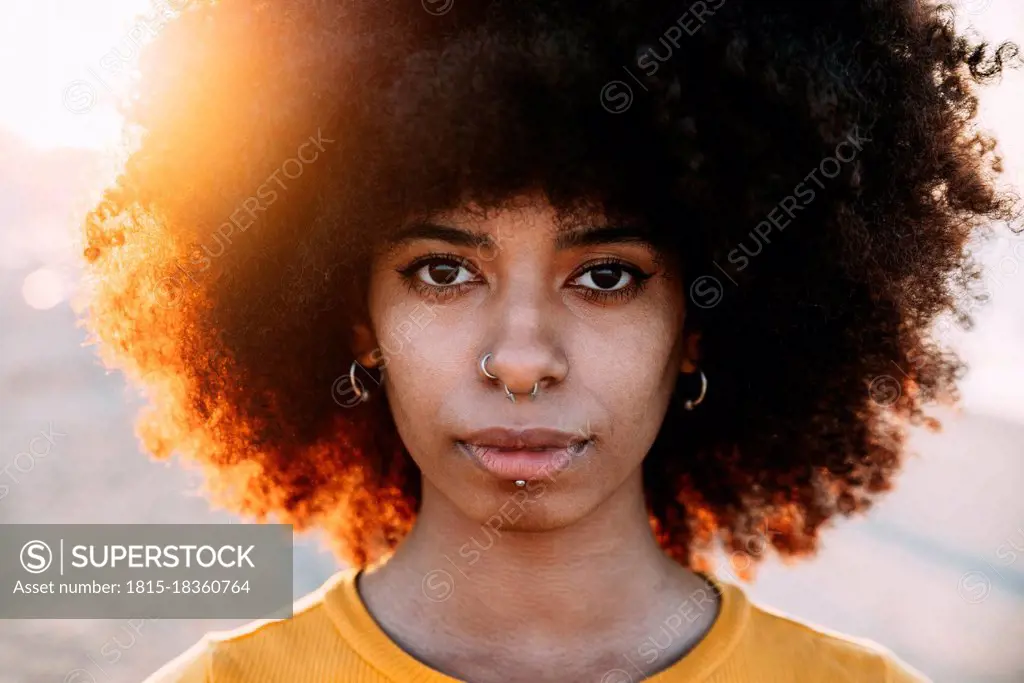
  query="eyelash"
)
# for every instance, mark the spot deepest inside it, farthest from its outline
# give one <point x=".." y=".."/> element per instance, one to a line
<point x="444" y="293"/>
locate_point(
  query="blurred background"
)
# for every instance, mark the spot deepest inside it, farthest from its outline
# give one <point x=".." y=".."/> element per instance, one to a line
<point x="935" y="572"/>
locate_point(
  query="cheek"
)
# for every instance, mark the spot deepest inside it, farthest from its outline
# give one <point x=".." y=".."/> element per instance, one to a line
<point x="424" y="365"/>
<point x="628" y="377"/>
<point x="401" y="327"/>
<point x="406" y="328"/>
<point x="636" y="402"/>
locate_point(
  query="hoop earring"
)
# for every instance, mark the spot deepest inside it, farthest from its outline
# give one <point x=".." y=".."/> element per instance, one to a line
<point x="362" y="394"/>
<point x="693" y="403"/>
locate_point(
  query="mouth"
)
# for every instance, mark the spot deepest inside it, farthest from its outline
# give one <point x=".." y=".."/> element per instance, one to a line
<point x="524" y="454"/>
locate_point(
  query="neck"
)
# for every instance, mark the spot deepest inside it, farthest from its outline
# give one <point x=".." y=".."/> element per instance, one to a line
<point x="603" y="570"/>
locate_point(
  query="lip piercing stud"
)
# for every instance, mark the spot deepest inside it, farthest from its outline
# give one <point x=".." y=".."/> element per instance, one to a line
<point x="520" y="483"/>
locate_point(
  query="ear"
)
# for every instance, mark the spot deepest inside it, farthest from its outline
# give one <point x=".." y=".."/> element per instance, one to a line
<point x="364" y="345"/>
<point x="691" y="352"/>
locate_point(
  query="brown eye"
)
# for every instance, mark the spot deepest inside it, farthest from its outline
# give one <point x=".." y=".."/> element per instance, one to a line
<point x="607" y="277"/>
<point x="443" y="273"/>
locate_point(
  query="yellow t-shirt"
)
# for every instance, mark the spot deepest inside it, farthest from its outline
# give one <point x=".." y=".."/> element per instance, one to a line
<point x="333" y="638"/>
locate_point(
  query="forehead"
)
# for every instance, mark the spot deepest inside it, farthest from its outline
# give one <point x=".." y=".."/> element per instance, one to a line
<point x="474" y="225"/>
<point x="564" y="237"/>
<point x="522" y="212"/>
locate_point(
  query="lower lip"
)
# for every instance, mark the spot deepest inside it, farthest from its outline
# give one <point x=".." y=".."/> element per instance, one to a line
<point x="525" y="465"/>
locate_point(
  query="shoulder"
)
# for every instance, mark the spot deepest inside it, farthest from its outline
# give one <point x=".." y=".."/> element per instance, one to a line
<point x="191" y="666"/>
<point x="244" y="653"/>
<point x="818" y="653"/>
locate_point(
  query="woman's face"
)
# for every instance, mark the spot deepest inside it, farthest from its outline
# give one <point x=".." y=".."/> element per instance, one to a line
<point x="589" y="313"/>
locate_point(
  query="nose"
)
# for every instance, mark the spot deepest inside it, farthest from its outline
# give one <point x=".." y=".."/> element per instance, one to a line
<point x="524" y="348"/>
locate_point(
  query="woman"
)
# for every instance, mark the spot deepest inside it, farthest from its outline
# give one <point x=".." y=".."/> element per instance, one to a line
<point x="534" y="305"/>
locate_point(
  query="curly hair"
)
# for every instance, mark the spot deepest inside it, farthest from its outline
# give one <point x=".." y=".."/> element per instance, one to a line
<point x="816" y="167"/>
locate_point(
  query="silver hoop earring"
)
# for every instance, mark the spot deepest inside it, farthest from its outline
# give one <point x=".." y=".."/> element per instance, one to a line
<point x="693" y="403"/>
<point x="508" y="392"/>
<point x="362" y="394"/>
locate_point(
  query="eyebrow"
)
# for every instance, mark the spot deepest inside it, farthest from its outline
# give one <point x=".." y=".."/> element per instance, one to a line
<point x="567" y="239"/>
<point x="604" y="234"/>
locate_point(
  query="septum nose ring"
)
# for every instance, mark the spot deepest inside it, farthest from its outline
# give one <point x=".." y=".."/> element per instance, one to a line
<point x="508" y="392"/>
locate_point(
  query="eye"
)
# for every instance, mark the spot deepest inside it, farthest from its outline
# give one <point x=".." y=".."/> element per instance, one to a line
<point x="606" y="277"/>
<point x="442" y="272"/>
<point x="610" y="281"/>
<point x="439" y="276"/>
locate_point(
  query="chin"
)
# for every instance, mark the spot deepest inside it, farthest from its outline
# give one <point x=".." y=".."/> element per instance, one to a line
<point x="542" y="505"/>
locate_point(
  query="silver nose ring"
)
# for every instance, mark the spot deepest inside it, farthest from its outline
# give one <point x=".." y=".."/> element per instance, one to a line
<point x="508" y="392"/>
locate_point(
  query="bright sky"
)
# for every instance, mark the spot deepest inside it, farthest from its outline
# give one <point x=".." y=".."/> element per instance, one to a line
<point x="54" y="90"/>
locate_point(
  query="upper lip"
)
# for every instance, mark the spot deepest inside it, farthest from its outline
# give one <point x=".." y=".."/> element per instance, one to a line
<point x="533" y="438"/>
